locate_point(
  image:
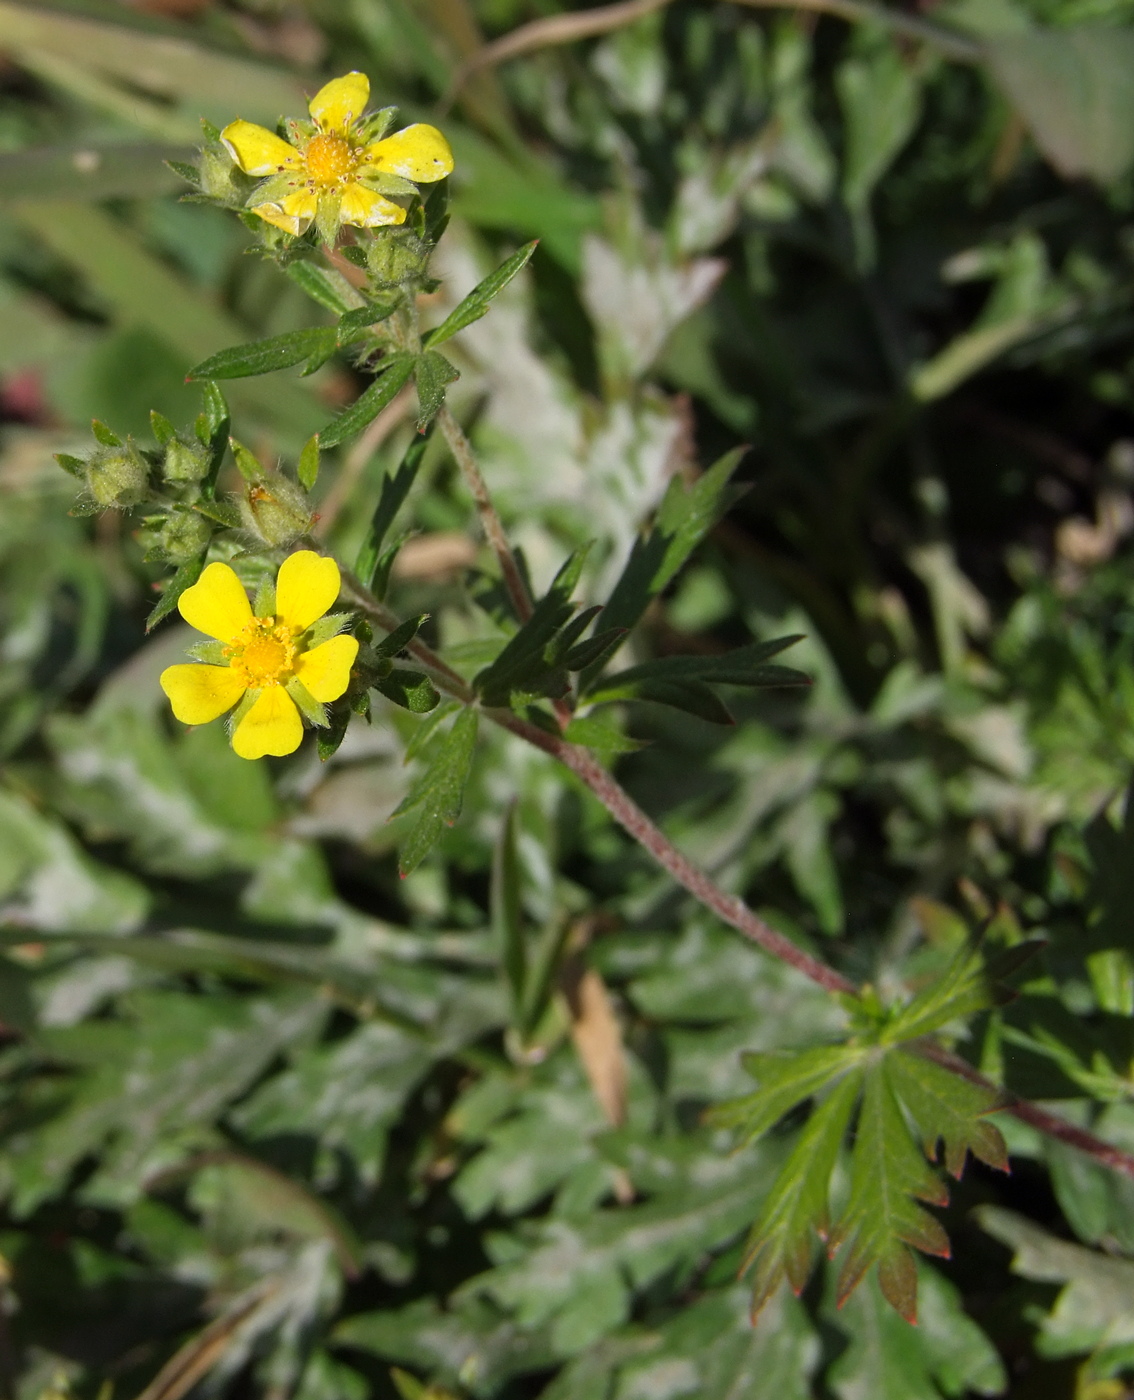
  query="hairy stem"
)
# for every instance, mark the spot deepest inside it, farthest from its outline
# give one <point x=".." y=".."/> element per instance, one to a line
<point x="490" y="522"/>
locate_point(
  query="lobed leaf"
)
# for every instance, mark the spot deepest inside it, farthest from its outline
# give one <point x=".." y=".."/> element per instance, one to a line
<point x="947" y="1108"/>
<point x="439" y="792"/>
<point x="786" y="1078"/>
<point x="394" y="491"/>
<point x="431" y="374"/>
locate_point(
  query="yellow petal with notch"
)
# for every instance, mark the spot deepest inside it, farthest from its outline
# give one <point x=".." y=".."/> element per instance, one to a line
<point x="366" y="209"/>
<point x="419" y="153"/>
<point x="216" y="604"/>
<point x="293" y="213"/>
<point x="199" y="693"/>
<point x="258" y="151"/>
<point x="306" y="587"/>
<point x="325" y="670"/>
<point x="336" y="107"/>
<point x="271" y="726"/>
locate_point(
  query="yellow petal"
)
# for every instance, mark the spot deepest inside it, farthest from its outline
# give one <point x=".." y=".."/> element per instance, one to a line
<point x="293" y="213"/>
<point x="306" y="586"/>
<point x="216" y="604"/>
<point x="258" y="151"/>
<point x="325" y="670"/>
<point x="272" y="726"/>
<point x="336" y="107"/>
<point x="368" y="210"/>
<point x="417" y="153"/>
<point x="199" y="693"/>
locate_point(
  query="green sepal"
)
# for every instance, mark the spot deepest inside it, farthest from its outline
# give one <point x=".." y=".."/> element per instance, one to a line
<point x="163" y="430"/>
<point x="220" y="511"/>
<point x="265" y="604"/>
<point x="310" y="708"/>
<point x="74" y="466"/>
<point x="211" y="653"/>
<point x="330" y="289"/>
<point x="247" y="465"/>
<point x="189" y="173"/>
<point x="246" y="702"/>
<point x="104" y="435"/>
<point x="391" y="186"/>
<point x="185" y="577"/>
<point x="409" y="689"/>
<point x="308" y="467"/>
<point x="328" y="218"/>
<point x="377" y="124"/>
<point x="326" y="627"/>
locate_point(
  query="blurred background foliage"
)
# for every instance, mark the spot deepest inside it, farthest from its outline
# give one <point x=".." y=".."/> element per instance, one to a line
<point x="268" y="1127"/>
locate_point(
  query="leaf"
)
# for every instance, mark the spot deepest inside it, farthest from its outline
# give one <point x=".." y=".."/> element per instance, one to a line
<point x="409" y="689"/>
<point x="104" y="435"/>
<point x="880" y="97"/>
<point x="400" y="637"/>
<point x="395" y="489"/>
<point x="438" y="793"/>
<point x="684" y="518"/>
<point x="308" y="467"/>
<point x="476" y="304"/>
<point x="393" y="375"/>
<point x="213" y="426"/>
<point x="946" y="1107"/>
<point x="432" y="373"/>
<point x="694" y="697"/>
<point x="885" y="1359"/>
<point x="881" y="1219"/>
<point x="522" y="666"/>
<point x="782" y="1242"/>
<point x="330" y="289"/>
<point x="266" y="356"/>
<point x="600" y="735"/>
<point x="786" y="1078"/>
<point x="1072" y="87"/>
<point x="353" y="325"/>
<point x="744" y="666"/>
<point x="962" y="990"/>
<point x="185" y="577"/>
<point x="248" y="466"/>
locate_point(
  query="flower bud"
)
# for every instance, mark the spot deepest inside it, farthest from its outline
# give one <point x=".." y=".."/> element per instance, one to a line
<point x="185" y="460"/>
<point x="276" y="510"/>
<point x="184" y="536"/>
<point x="396" y="256"/>
<point x="118" y="476"/>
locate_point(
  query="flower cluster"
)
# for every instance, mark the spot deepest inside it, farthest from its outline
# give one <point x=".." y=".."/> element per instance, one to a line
<point x="340" y="167"/>
<point x="271" y="667"/>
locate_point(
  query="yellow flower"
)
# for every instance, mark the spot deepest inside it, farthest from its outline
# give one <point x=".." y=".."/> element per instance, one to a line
<point x="270" y="667"/>
<point x="334" y="172"/>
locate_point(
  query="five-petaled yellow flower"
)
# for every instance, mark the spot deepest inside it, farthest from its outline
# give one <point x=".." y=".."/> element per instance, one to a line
<point x="265" y="661"/>
<point x="335" y="163"/>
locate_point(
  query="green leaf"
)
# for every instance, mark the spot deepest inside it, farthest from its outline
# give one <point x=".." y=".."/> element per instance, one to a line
<point x="308" y="467"/>
<point x="744" y="666"/>
<point x="961" y="991"/>
<point x="1072" y="87"/>
<point x="522" y="666"/>
<point x="409" y="689"/>
<point x="220" y="511"/>
<point x="163" y="429"/>
<point x="506" y="909"/>
<point x="267" y="356"/>
<point x="213" y="426"/>
<point x="684" y="518"/>
<point x="331" y="290"/>
<point x="73" y="466"/>
<point x="594" y="651"/>
<point x="476" y="304"/>
<point x="185" y="577"/>
<point x="782" y="1242"/>
<point x="439" y="792"/>
<point x="431" y="374"/>
<point x="693" y="697"/>
<point x="601" y="735"/>
<point x="395" y="489"/>
<point x="248" y="465"/>
<point x="393" y="374"/>
<point x="353" y="325"/>
<point x="397" y="640"/>
<point x="948" y="1108"/>
<point x="882" y="1220"/>
<point x="786" y="1078"/>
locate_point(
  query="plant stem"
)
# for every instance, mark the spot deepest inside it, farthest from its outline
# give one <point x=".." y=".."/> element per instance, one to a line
<point x="490" y="522"/>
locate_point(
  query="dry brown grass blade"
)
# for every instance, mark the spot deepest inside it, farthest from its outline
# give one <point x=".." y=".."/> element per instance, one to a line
<point x="193" y="1362"/>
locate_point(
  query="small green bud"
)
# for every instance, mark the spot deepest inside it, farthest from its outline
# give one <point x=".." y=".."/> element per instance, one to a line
<point x="276" y="510"/>
<point x="397" y="256"/>
<point x="185" y="460"/>
<point x="184" y="536"/>
<point x="118" y="476"/>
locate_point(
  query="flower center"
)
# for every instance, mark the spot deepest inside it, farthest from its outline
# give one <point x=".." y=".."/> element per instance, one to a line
<point x="263" y="654"/>
<point x="330" y="159"/>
